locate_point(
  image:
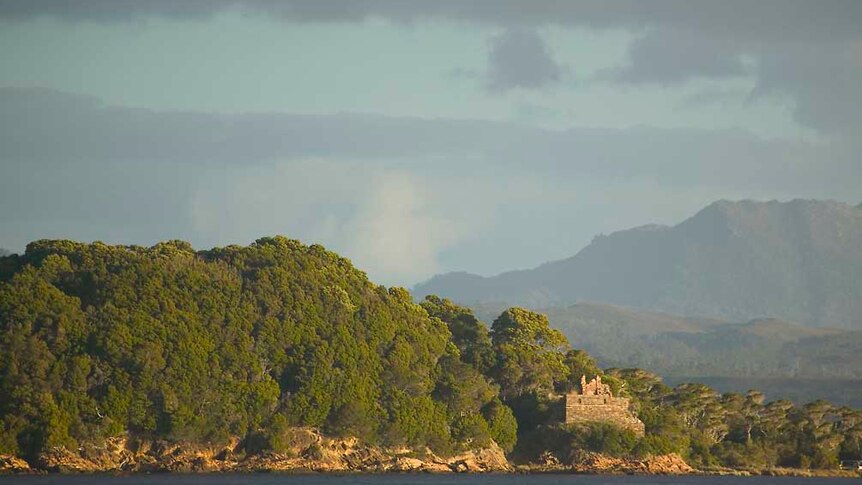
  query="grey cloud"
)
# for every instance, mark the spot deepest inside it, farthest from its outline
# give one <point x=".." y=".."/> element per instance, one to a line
<point x="521" y="59"/>
<point x="674" y="56"/>
<point x="798" y="47"/>
<point x="820" y="79"/>
<point x="824" y="80"/>
<point x="716" y="96"/>
<point x="806" y="51"/>
<point x="123" y="202"/>
<point x="75" y="167"/>
<point x="111" y="10"/>
<point x="775" y="19"/>
<point x="49" y="128"/>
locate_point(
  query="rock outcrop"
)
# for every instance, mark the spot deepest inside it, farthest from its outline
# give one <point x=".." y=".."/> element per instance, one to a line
<point x="588" y="462"/>
<point x="13" y="465"/>
<point x="671" y="464"/>
<point x="310" y="451"/>
<point x="319" y="453"/>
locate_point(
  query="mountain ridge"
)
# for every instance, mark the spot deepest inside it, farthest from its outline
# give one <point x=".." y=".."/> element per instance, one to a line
<point x="733" y="260"/>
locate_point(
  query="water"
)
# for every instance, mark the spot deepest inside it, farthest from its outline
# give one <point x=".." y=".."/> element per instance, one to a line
<point x="391" y="479"/>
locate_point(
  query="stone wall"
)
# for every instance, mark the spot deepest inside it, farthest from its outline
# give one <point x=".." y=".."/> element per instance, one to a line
<point x="602" y="408"/>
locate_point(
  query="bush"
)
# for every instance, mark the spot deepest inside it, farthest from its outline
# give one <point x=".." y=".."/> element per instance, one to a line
<point x="602" y="438"/>
<point x="502" y="424"/>
<point x="472" y="429"/>
<point x="653" y="444"/>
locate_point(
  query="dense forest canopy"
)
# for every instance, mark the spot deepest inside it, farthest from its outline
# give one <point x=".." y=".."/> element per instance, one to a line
<point x="171" y="343"/>
<point x="168" y="342"/>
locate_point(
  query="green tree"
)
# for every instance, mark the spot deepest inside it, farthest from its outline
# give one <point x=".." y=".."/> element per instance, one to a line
<point x="469" y="334"/>
<point x="530" y="354"/>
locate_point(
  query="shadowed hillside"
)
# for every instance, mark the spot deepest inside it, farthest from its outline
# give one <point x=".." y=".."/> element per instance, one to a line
<point x="799" y="260"/>
<point x="785" y="360"/>
<point x="678" y="346"/>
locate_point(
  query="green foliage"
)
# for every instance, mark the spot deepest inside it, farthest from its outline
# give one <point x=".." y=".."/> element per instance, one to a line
<point x="465" y="379"/>
<point x="565" y="441"/>
<point x="502" y="425"/>
<point x="468" y="333"/>
<point x="579" y="363"/>
<point x="472" y="428"/>
<point x="740" y="430"/>
<point x="168" y="343"/>
<point x="658" y="444"/>
<point x="530" y="354"/>
<point x="602" y="438"/>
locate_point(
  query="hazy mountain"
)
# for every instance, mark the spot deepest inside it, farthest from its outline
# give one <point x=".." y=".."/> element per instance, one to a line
<point x="672" y="345"/>
<point x="4" y="252"/>
<point x="799" y="260"/>
<point x="784" y="359"/>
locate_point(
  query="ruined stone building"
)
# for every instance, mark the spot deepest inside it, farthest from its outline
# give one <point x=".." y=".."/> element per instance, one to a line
<point x="595" y="403"/>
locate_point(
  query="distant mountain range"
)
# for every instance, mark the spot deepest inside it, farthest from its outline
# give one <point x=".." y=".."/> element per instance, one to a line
<point x="799" y="261"/>
<point x="4" y="252"/>
<point x="784" y="359"/>
<point x="676" y="346"/>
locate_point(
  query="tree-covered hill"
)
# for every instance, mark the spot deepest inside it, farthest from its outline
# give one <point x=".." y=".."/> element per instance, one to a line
<point x="99" y="340"/>
<point x="535" y="364"/>
<point x="168" y="343"/>
<point x="800" y="261"/>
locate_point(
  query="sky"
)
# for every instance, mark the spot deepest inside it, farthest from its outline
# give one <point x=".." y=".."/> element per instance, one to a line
<point x="417" y="137"/>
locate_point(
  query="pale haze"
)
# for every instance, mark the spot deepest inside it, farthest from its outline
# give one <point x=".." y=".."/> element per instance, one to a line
<point x="418" y="138"/>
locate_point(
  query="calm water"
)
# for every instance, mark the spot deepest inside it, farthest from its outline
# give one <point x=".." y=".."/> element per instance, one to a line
<point x="270" y="479"/>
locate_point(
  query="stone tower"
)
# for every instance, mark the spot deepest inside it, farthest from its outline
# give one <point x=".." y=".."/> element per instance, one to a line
<point x="595" y="403"/>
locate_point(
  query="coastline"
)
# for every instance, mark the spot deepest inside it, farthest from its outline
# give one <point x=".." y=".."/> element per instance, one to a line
<point x="367" y="460"/>
<point x="309" y="451"/>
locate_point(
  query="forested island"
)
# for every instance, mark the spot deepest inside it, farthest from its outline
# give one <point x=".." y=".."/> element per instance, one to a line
<point x="282" y="356"/>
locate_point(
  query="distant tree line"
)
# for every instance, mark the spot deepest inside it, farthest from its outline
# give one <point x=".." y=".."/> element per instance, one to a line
<point x="171" y="343"/>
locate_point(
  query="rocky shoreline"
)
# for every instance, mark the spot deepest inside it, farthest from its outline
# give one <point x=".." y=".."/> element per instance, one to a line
<point x="596" y="463"/>
<point x="309" y="452"/>
<point x="589" y="463"/>
<point x="312" y="452"/>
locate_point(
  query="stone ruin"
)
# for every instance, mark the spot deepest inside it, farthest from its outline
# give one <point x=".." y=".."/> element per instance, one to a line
<point x="596" y="403"/>
<point x="595" y="387"/>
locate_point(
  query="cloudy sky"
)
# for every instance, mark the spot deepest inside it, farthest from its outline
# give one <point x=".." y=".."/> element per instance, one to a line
<point x="417" y="137"/>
